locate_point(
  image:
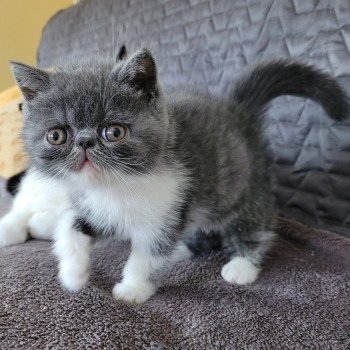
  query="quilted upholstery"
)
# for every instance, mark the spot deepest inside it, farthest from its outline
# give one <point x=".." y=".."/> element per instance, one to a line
<point x="207" y="44"/>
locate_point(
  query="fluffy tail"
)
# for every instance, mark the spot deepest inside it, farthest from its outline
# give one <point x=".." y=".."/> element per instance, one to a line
<point x="283" y="77"/>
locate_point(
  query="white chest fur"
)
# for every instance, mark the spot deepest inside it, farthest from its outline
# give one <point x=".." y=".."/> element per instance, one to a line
<point x="133" y="207"/>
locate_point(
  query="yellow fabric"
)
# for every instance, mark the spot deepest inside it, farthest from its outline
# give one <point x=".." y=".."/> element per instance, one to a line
<point x="12" y="156"/>
<point x="8" y="95"/>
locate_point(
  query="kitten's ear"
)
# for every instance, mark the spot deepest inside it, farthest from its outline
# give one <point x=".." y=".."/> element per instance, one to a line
<point x="122" y="53"/>
<point x="30" y="80"/>
<point x="140" y="72"/>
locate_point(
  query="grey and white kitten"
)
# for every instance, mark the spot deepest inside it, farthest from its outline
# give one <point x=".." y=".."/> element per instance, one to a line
<point x="113" y="156"/>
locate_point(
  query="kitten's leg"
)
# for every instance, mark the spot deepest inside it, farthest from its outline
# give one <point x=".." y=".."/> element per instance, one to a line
<point x="250" y="249"/>
<point x="200" y="242"/>
<point x="143" y="270"/>
<point x="72" y="247"/>
<point x="36" y="209"/>
<point x="196" y="243"/>
<point x="136" y="285"/>
<point x="181" y="252"/>
<point x="13" y="226"/>
<point x="23" y="220"/>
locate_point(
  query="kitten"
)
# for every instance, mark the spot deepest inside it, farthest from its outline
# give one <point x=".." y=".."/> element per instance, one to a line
<point x="117" y="157"/>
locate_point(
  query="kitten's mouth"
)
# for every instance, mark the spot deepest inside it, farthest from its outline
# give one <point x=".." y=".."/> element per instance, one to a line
<point x="86" y="163"/>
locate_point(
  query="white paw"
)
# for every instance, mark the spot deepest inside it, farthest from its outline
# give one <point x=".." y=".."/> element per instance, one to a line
<point x="42" y="224"/>
<point x="11" y="232"/>
<point x="181" y="252"/>
<point x="240" y="271"/>
<point x="133" y="294"/>
<point x="72" y="278"/>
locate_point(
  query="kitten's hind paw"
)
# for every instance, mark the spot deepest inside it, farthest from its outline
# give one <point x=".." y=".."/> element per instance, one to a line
<point x="73" y="280"/>
<point x="240" y="270"/>
<point x="133" y="294"/>
<point x="11" y="233"/>
<point x="181" y="253"/>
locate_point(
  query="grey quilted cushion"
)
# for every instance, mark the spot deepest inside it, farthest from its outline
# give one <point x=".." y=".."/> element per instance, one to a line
<point x="207" y="44"/>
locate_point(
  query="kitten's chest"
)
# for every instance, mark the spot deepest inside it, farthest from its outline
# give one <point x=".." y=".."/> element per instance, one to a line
<point x="134" y="207"/>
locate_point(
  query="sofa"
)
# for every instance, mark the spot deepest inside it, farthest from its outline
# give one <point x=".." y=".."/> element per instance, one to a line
<point x="301" y="299"/>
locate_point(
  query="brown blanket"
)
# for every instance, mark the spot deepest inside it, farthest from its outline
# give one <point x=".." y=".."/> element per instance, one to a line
<point x="300" y="301"/>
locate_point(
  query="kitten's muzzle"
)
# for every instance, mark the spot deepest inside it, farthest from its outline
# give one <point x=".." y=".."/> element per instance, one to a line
<point x="85" y="140"/>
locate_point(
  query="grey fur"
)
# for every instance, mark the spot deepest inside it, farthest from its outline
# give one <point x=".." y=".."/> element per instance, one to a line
<point x="221" y="144"/>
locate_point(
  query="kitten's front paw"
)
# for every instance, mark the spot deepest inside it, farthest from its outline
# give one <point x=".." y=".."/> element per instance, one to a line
<point x="11" y="233"/>
<point x="133" y="294"/>
<point x="240" y="271"/>
<point x="72" y="279"/>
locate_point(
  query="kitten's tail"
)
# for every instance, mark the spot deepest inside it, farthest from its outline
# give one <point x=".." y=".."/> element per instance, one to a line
<point x="284" y="77"/>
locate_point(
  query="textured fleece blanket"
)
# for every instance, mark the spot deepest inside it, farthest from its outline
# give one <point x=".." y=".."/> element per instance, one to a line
<point x="300" y="301"/>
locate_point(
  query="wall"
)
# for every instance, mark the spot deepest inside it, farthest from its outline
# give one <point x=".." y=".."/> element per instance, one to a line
<point x="21" y="22"/>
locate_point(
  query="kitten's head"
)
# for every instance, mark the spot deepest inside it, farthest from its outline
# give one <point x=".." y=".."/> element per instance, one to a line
<point x="94" y="116"/>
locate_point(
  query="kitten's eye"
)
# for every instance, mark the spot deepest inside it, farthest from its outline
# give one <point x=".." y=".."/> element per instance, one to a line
<point x="114" y="133"/>
<point x="57" y="136"/>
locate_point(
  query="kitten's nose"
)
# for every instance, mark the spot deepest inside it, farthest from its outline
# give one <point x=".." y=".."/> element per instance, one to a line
<point x="85" y="141"/>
